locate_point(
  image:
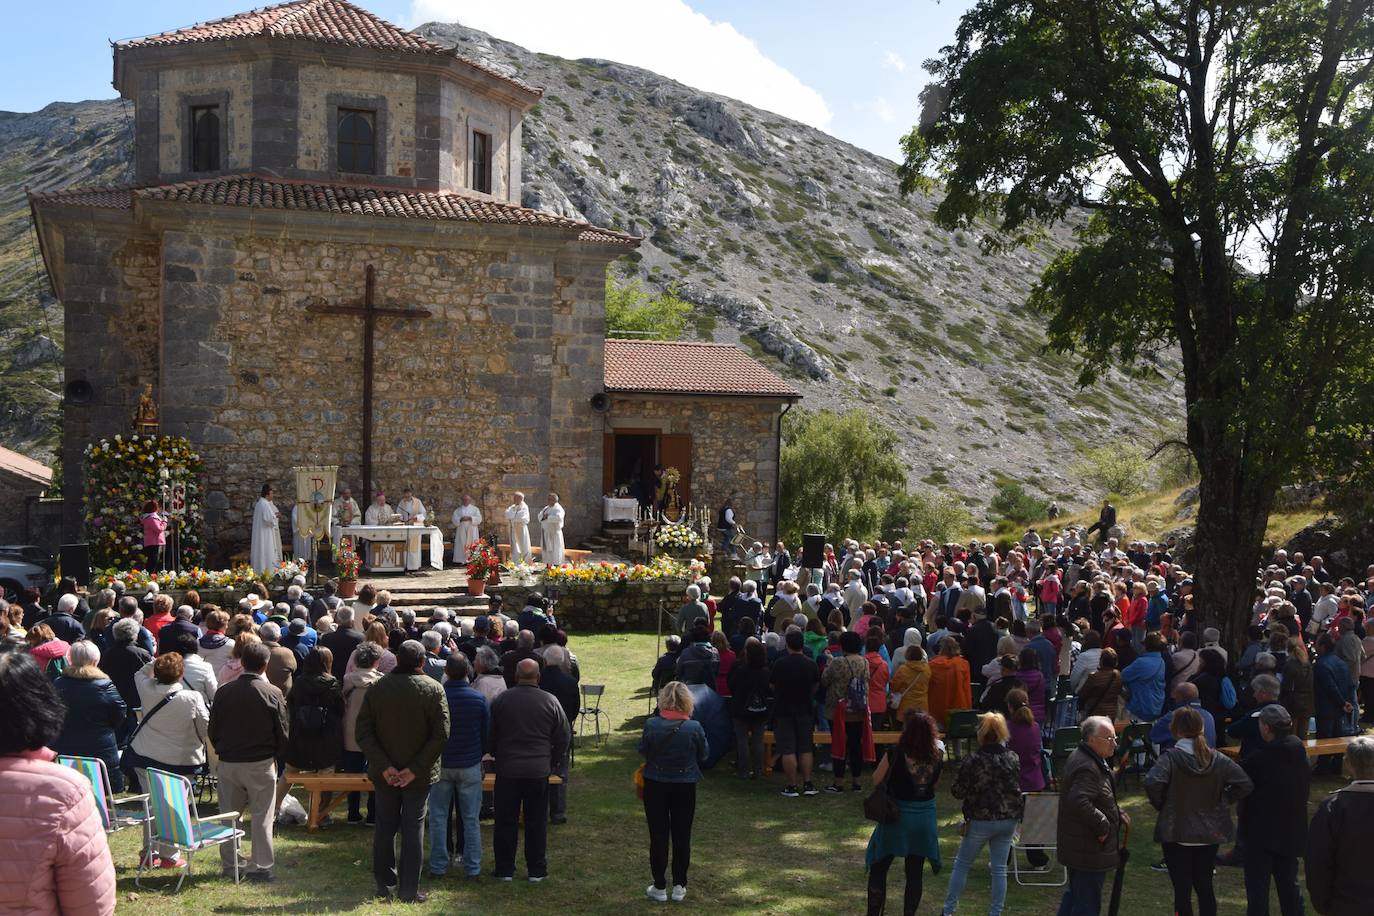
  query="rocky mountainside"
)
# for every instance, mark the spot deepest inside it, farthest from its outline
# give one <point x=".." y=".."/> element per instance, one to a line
<point x="790" y="242"/>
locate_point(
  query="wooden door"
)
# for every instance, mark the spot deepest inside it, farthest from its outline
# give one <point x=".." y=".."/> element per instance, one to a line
<point x="675" y="451"/>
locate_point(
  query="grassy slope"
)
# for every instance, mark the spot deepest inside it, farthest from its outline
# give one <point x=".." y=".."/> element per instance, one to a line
<point x="753" y="851"/>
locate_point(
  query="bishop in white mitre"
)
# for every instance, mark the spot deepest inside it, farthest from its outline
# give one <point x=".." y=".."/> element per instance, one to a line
<point x="518" y="514"/>
<point x="380" y="512"/>
<point x="551" y="525"/>
<point x="411" y="509"/>
<point x="466" y="519"/>
<point x="346" y="512"/>
<point x="265" y="552"/>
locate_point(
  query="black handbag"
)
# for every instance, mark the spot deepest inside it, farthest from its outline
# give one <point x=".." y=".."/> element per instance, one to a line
<point x="879" y="806"/>
<point x="128" y="757"/>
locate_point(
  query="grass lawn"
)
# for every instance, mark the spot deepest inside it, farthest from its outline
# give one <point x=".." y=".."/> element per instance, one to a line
<point x="753" y="851"/>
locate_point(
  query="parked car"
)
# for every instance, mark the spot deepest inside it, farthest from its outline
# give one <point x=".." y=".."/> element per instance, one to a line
<point x="17" y="575"/>
<point x="29" y="554"/>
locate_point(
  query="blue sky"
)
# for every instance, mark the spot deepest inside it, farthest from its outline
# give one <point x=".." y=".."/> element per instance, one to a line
<point x="853" y="70"/>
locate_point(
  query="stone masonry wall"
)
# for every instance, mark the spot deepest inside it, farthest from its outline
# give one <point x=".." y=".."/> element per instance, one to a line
<point x="601" y="607"/>
<point x="734" y="449"/>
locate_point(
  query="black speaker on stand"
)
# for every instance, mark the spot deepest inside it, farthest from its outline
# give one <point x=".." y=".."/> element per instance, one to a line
<point x="76" y="562"/>
<point x="813" y="551"/>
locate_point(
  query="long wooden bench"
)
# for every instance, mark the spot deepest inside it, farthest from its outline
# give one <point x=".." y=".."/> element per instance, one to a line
<point x="1316" y="747"/>
<point x="820" y="739"/>
<point x="340" y="784"/>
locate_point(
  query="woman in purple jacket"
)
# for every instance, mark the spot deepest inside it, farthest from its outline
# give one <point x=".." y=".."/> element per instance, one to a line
<point x="1025" y="741"/>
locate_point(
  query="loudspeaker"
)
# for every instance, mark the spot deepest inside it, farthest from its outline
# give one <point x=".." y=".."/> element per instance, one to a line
<point x="76" y="562"/>
<point x="79" y="392"/>
<point x="813" y="551"/>
<point x="601" y="402"/>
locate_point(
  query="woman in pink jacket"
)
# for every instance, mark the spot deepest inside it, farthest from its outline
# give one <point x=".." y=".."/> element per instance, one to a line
<point x="55" y="858"/>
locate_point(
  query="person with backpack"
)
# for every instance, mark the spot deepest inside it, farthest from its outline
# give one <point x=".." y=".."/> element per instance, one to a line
<point x="316" y="713"/>
<point x="750" y="697"/>
<point x="845" y="680"/>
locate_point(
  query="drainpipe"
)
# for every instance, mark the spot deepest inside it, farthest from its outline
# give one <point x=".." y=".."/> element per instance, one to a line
<point x="777" y="472"/>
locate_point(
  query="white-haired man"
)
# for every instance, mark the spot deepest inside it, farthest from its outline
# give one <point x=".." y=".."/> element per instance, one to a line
<point x="691" y="610"/>
<point x="1089" y="818"/>
<point x="1339" y="879"/>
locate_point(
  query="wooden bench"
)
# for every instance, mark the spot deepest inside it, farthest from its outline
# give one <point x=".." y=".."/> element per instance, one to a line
<point x="820" y="738"/>
<point x="1316" y="747"/>
<point x="340" y="784"/>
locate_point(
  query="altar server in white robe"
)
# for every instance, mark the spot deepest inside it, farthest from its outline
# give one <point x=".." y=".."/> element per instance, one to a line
<point x="518" y="514"/>
<point x="411" y="509"/>
<point x="466" y="519"/>
<point x="380" y="512"/>
<point x="265" y="552"/>
<point x="551" y="524"/>
<point x="346" y="512"/>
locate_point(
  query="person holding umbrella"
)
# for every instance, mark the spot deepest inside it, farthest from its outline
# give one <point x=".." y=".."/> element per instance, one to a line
<point x="1090" y="820"/>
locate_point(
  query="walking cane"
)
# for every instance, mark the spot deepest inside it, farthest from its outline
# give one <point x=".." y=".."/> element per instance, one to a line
<point x="1123" y="856"/>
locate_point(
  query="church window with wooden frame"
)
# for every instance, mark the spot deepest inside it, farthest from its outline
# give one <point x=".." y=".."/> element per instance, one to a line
<point x="357" y="141"/>
<point x="205" y="138"/>
<point x="481" y="162"/>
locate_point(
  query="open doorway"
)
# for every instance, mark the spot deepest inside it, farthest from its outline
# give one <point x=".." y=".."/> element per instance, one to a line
<point x="632" y="464"/>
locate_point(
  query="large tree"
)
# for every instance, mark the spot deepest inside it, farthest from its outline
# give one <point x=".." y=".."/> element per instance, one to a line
<point x="1224" y="152"/>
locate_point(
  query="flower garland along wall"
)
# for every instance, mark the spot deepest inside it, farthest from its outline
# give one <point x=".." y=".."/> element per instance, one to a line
<point x="124" y="473"/>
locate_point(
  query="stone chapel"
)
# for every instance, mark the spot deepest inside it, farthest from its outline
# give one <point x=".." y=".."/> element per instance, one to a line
<point x="309" y="156"/>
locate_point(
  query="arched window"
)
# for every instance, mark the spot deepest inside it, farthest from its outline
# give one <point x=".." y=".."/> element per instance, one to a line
<point x="205" y="138"/>
<point x="357" y="139"/>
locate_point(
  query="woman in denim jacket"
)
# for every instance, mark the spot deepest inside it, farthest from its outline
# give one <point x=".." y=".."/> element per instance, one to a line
<point x="673" y="747"/>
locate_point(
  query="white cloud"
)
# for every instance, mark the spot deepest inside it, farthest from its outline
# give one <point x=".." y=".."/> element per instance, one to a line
<point x="894" y="61"/>
<point x="665" y="36"/>
<point x="880" y="108"/>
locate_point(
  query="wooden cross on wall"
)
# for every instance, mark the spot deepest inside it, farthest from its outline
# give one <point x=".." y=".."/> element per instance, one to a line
<point x="370" y="312"/>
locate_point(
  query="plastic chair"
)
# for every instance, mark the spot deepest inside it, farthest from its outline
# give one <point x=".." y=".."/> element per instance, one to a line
<point x="1039" y="820"/>
<point x="1063" y="743"/>
<point x="961" y="730"/>
<point x="1063" y="713"/>
<point x="176" y="823"/>
<point x="116" y="814"/>
<point x="591" y="706"/>
<point x="1135" y="752"/>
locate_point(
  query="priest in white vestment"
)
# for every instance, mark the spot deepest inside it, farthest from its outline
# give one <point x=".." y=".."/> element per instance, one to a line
<point x="346" y="512"/>
<point x="518" y="514"/>
<point x="265" y="552"/>
<point x="551" y="526"/>
<point x="411" y="509"/>
<point x="380" y="512"/>
<point x="466" y="519"/>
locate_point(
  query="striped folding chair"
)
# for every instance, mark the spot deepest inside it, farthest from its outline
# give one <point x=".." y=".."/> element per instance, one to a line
<point x="116" y="814"/>
<point x="176" y="823"/>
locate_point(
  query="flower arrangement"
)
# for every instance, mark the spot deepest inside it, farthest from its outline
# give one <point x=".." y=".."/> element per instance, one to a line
<point x="347" y="563"/>
<point x="122" y="474"/>
<point x="523" y="573"/>
<point x="240" y="577"/>
<point x="289" y="569"/>
<point x="483" y="560"/>
<point x="677" y="536"/>
<point x="661" y="567"/>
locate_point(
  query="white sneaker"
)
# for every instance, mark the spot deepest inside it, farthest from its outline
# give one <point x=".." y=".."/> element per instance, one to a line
<point x="657" y="893"/>
<point x="678" y="893"/>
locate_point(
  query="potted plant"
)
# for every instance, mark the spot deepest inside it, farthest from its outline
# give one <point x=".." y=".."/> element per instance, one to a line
<point x="347" y="563"/>
<point x="483" y="563"/>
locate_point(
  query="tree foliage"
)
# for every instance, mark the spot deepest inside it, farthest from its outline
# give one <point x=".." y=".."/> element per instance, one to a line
<point x="633" y="311"/>
<point x="1013" y="503"/>
<point x="1117" y="468"/>
<point x="913" y="516"/>
<point x="1224" y="150"/>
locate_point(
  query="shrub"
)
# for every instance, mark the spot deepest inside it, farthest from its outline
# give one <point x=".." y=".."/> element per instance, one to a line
<point x="1120" y="469"/>
<point x="1012" y="503"/>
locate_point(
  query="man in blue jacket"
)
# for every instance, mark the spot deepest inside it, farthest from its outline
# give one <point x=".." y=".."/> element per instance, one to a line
<point x="461" y="775"/>
<point x="1143" y="679"/>
<point x="1184" y="694"/>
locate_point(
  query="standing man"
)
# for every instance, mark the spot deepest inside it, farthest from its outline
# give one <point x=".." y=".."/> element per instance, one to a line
<point x="518" y="514"/>
<point x="1089" y="819"/>
<point x="466" y="519"/>
<point x="725" y="524"/>
<point x="551" y="526"/>
<point x="265" y="547"/>
<point x="794" y="681"/>
<point x="555" y="680"/>
<point x="346" y="513"/>
<point x="411" y="509"/>
<point x="248" y="731"/>
<point x="782" y="562"/>
<point x="402" y="729"/>
<point x="461" y="776"/>
<point x="1338" y="875"/>
<point x="529" y="736"/>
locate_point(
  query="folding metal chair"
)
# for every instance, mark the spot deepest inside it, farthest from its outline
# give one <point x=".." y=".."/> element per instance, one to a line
<point x="116" y="814"/>
<point x="1039" y="820"/>
<point x="176" y="823"/>
<point x="591" y="706"/>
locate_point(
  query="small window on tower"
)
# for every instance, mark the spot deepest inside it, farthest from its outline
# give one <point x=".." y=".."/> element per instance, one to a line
<point x="357" y="141"/>
<point x="481" y="162"/>
<point x="205" y="138"/>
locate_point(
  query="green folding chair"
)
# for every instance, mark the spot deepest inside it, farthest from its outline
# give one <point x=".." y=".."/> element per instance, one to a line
<point x="176" y="823"/>
<point x="116" y="814"/>
<point x="1064" y="742"/>
<point x="961" y="731"/>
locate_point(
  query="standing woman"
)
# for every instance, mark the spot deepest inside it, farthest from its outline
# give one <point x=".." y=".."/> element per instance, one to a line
<point x="911" y="769"/>
<point x="1295" y="689"/>
<point x="154" y="524"/>
<point x="989" y="782"/>
<point x="265" y="551"/>
<point x="950" y="686"/>
<point x="674" y="748"/>
<point x="751" y="694"/>
<point x="1193" y="788"/>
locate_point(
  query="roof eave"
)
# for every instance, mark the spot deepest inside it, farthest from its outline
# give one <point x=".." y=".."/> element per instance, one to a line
<point x="769" y="395"/>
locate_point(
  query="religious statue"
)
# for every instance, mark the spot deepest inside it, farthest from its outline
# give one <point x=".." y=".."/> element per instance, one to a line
<point x="145" y="418"/>
<point x="671" y="503"/>
<point x="518" y="514"/>
<point x="466" y="519"/>
<point x="551" y="524"/>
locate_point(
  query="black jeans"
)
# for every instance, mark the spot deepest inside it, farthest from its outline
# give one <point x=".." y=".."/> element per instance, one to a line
<point x="1190" y="870"/>
<point x="749" y="746"/>
<point x="513" y="795"/>
<point x="877" y="885"/>
<point x="1261" y="866"/>
<point x="669" y="808"/>
<point x="355" y="762"/>
<point x="853" y="750"/>
<point x="399" y="811"/>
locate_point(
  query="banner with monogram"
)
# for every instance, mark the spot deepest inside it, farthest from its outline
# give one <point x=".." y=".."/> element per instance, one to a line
<point x="315" y="499"/>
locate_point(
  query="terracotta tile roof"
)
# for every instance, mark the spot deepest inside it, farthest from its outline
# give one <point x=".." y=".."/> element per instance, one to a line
<point x="330" y="21"/>
<point x="17" y="464"/>
<point x="350" y="199"/>
<point x="679" y="367"/>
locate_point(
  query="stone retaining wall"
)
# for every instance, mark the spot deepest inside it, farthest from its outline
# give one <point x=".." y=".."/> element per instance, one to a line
<point x="598" y="607"/>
